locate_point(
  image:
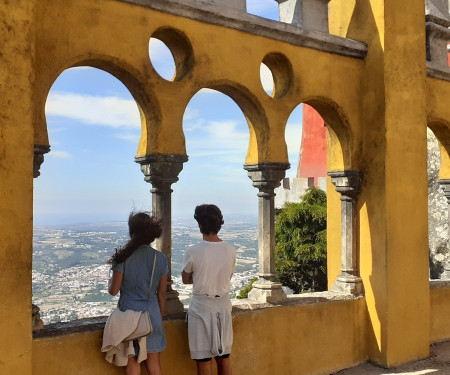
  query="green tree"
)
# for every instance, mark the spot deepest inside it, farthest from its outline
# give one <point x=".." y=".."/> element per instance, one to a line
<point x="301" y="243"/>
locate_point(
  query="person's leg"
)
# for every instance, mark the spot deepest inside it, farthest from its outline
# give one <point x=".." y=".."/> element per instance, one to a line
<point x="133" y="367"/>
<point x="204" y="367"/>
<point x="223" y="365"/>
<point x="152" y="364"/>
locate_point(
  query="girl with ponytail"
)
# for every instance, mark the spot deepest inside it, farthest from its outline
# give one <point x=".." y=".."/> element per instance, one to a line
<point x="132" y="267"/>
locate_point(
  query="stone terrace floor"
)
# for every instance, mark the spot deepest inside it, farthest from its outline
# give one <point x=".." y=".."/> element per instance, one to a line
<point x="437" y="364"/>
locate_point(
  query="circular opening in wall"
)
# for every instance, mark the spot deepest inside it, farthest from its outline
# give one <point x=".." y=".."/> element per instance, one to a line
<point x="266" y="77"/>
<point x="281" y="72"/>
<point x="170" y="54"/>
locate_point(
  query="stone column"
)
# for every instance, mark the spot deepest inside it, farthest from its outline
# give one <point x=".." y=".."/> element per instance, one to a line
<point x="308" y="14"/>
<point x="266" y="177"/>
<point x="445" y="186"/>
<point x="162" y="170"/>
<point x="38" y="159"/>
<point x="348" y="184"/>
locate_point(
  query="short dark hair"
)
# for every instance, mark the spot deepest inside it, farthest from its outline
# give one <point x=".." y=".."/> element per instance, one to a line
<point x="209" y="218"/>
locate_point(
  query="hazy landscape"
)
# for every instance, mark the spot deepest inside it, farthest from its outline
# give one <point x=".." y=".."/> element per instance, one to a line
<point x="70" y="273"/>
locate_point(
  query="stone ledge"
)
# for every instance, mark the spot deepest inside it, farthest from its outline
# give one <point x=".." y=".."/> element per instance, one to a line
<point x="98" y="323"/>
<point x="231" y="18"/>
<point x="294" y="300"/>
<point x="437" y="73"/>
<point x="69" y="328"/>
<point x="439" y="284"/>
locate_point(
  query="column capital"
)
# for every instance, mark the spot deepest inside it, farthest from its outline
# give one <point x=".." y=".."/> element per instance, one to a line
<point x="161" y="170"/>
<point x="39" y="151"/>
<point x="347" y="182"/>
<point x="266" y="176"/>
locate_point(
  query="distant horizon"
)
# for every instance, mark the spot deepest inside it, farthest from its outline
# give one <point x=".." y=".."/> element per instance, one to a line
<point x="57" y="222"/>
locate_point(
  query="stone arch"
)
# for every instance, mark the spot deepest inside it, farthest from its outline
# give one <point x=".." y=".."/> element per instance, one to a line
<point x="146" y="101"/>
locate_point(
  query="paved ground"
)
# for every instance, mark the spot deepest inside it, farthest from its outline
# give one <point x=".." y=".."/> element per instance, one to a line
<point x="437" y="364"/>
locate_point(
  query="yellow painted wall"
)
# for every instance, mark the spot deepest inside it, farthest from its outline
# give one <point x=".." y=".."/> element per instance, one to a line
<point x="439" y="313"/>
<point x="83" y="36"/>
<point x="302" y="339"/>
<point x="16" y="184"/>
<point x="395" y="111"/>
<point x="377" y="111"/>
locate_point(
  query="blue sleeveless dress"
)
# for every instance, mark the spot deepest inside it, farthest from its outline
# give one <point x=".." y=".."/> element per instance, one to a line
<point x="134" y="291"/>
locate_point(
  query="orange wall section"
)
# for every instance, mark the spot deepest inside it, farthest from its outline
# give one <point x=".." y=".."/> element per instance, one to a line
<point x="313" y="149"/>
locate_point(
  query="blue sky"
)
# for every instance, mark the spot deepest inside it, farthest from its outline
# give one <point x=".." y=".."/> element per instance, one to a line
<point x="94" y="128"/>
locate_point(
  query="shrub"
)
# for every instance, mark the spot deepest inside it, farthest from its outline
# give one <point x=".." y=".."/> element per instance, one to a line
<point x="300" y="235"/>
<point x="243" y="293"/>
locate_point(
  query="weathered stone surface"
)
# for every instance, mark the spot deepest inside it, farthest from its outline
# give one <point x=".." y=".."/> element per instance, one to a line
<point x="266" y="177"/>
<point x="437" y="11"/>
<point x="437" y="211"/>
<point x="348" y="184"/>
<point x="308" y="14"/>
<point x="235" y="4"/>
<point x="37" y="323"/>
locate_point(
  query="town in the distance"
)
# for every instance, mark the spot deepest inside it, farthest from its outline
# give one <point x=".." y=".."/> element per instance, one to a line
<point x="70" y="270"/>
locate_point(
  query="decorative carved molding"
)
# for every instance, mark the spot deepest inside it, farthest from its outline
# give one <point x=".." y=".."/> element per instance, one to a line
<point x="38" y="159"/>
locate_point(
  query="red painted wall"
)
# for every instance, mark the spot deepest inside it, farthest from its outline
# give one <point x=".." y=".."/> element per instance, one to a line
<point x="313" y="149"/>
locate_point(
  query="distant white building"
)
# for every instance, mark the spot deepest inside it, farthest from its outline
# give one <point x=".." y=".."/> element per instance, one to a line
<point x="293" y="190"/>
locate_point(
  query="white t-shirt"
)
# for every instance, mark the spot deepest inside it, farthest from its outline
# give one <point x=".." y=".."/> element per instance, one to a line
<point x="212" y="264"/>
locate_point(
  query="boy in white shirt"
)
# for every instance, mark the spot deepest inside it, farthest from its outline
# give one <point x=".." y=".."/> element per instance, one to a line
<point x="209" y="266"/>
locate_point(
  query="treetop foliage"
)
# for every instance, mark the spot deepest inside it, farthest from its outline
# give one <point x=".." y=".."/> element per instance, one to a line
<point x="300" y="235"/>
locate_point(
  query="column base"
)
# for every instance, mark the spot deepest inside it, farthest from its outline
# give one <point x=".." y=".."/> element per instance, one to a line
<point x="36" y="321"/>
<point x="174" y="307"/>
<point x="348" y="284"/>
<point x="267" y="292"/>
<point x="446" y="274"/>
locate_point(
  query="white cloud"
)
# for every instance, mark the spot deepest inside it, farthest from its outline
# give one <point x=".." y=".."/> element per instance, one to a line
<point x="293" y="137"/>
<point x="266" y="78"/>
<point x="58" y="154"/>
<point x="227" y="140"/>
<point x="94" y="110"/>
<point x="81" y="68"/>
<point x="161" y="58"/>
<point x="208" y="92"/>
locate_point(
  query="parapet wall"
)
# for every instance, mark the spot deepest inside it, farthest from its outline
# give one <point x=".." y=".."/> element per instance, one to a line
<point x="439" y="310"/>
<point x="317" y="333"/>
